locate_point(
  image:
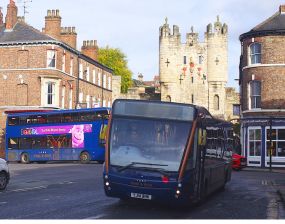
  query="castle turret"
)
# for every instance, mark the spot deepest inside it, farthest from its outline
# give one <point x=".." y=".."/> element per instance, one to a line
<point x="217" y="61"/>
<point x="217" y="47"/>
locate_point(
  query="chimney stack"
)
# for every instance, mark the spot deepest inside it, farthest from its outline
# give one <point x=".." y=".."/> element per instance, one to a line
<point x="69" y="36"/>
<point x="11" y="17"/>
<point x="1" y="17"/>
<point x="90" y="49"/>
<point x="282" y="9"/>
<point x="53" y="24"/>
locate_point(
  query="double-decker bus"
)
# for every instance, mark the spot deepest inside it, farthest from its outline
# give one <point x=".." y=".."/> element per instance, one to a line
<point x="57" y="135"/>
<point x="165" y="152"/>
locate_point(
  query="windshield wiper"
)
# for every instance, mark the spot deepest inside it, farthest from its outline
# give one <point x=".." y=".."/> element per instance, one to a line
<point x="138" y="163"/>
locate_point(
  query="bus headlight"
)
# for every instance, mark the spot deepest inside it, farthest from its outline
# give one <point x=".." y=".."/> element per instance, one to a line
<point x="107" y="183"/>
<point x="106" y="177"/>
<point x="177" y="192"/>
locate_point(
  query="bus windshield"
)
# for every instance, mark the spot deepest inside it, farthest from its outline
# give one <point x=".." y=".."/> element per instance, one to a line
<point x="148" y="143"/>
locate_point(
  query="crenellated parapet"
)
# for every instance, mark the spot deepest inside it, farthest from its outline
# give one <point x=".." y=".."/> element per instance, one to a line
<point x="219" y="28"/>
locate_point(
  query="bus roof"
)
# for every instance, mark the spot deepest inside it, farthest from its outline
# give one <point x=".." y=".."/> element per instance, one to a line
<point x="154" y="109"/>
<point x="46" y="112"/>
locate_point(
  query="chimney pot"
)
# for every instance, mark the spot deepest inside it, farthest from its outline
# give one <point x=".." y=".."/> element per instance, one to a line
<point x="73" y="29"/>
<point x="282" y="9"/>
<point x="57" y="12"/>
<point x="48" y="12"/>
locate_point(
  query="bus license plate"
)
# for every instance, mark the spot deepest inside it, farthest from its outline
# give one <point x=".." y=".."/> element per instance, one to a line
<point x="141" y="196"/>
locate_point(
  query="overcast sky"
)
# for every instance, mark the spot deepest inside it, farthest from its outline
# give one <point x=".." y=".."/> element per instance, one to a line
<point x="133" y="25"/>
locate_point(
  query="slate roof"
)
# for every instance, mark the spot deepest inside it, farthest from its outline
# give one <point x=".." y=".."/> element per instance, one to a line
<point x="22" y="32"/>
<point x="273" y="25"/>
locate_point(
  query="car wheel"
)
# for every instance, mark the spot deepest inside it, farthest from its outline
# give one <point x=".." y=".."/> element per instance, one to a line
<point x="3" y="180"/>
<point x="25" y="158"/>
<point x="84" y="157"/>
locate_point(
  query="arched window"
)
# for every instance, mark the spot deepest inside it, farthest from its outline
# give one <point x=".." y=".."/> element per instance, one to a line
<point x="168" y="98"/>
<point x="254" y="94"/>
<point x="255" y="53"/>
<point x="216" y="102"/>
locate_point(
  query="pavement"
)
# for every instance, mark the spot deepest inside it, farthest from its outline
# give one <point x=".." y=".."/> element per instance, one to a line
<point x="277" y="184"/>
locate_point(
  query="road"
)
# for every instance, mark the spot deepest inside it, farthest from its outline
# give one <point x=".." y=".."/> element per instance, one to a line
<point x="75" y="191"/>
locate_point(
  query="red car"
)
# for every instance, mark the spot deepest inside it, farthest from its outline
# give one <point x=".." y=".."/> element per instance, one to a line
<point x="239" y="162"/>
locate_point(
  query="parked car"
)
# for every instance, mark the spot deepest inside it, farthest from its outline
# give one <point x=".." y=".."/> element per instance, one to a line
<point x="4" y="174"/>
<point x="239" y="161"/>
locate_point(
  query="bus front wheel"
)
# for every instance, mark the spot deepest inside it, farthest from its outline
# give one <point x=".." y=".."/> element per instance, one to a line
<point x="84" y="157"/>
<point x="25" y="158"/>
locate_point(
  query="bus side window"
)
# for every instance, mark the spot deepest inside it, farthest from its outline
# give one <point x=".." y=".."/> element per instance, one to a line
<point x="25" y="143"/>
<point x="103" y="114"/>
<point x="39" y="143"/>
<point x="75" y="117"/>
<point x="56" y="118"/>
<point x="41" y="119"/>
<point x="23" y="120"/>
<point x="88" y="116"/>
<point x="13" y="143"/>
<point x="13" y="121"/>
<point x="66" y="118"/>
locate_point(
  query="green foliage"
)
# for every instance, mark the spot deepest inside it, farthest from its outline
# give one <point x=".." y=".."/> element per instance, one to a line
<point x="115" y="59"/>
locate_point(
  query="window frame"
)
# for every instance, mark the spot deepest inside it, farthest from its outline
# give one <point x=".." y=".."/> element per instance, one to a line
<point x="254" y="55"/>
<point x="251" y="97"/>
<point x="51" y="59"/>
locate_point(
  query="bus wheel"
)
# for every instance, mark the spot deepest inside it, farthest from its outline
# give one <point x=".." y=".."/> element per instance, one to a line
<point x="3" y="181"/>
<point x="84" y="157"/>
<point x="25" y="158"/>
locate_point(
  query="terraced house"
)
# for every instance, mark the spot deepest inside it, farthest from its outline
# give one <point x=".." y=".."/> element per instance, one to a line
<point x="44" y="69"/>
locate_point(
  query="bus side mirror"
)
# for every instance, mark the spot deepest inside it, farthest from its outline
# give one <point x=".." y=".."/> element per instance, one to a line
<point x="202" y="137"/>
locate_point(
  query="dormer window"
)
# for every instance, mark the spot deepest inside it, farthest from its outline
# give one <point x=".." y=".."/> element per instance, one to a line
<point x="255" y="53"/>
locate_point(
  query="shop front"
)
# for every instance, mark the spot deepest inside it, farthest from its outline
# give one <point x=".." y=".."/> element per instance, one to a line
<point x="263" y="141"/>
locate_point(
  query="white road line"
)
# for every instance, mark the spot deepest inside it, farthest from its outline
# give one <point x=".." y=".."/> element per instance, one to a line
<point x="25" y="189"/>
<point x="96" y="217"/>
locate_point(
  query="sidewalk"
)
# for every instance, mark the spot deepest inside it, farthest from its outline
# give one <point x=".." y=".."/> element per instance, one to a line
<point x="277" y="184"/>
<point x="274" y="170"/>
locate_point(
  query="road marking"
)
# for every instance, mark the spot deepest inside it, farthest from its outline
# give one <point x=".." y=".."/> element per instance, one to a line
<point x="3" y="202"/>
<point x="96" y="217"/>
<point x="25" y="189"/>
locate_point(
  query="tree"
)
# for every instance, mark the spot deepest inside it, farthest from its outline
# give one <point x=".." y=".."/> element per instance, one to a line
<point x="115" y="59"/>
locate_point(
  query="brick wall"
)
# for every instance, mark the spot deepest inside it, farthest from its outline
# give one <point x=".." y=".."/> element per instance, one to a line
<point x="271" y="72"/>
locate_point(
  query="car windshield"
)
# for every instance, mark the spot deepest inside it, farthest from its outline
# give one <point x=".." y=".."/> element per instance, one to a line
<point x="148" y="143"/>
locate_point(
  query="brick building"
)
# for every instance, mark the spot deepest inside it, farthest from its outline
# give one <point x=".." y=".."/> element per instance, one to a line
<point x="45" y="69"/>
<point x="262" y="84"/>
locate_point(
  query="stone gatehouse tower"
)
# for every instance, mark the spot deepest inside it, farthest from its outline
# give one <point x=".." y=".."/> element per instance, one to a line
<point x="194" y="72"/>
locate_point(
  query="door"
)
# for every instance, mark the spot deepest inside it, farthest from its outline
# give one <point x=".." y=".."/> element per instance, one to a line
<point x="254" y="145"/>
